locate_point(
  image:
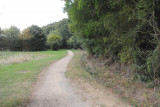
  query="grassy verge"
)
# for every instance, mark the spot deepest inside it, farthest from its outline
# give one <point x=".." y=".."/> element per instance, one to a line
<point x="75" y="70"/>
<point x="120" y="82"/>
<point x="16" y="79"/>
<point x="90" y="90"/>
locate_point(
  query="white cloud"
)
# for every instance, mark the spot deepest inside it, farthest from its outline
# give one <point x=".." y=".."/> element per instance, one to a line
<point x="23" y="13"/>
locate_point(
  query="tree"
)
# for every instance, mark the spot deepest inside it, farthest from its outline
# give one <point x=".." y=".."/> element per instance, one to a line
<point x="48" y="28"/>
<point x="3" y="41"/>
<point x="54" y="41"/>
<point x="26" y="38"/>
<point x="124" y="30"/>
<point x="75" y="42"/>
<point x="38" y="39"/>
<point x="33" y="38"/>
<point x="60" y="28"/>
<point x="11" y="36"/>
<point x="63" y="28"/>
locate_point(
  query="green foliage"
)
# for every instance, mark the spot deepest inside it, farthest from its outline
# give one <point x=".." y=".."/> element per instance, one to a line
<point x="126" y="31"/>
<point x="33" y="39"/>
<point x="9" y="38"/>
<point x="54" y="40"/>
<point x="60" y="28"/>
<point x="38" y="39"/>
<point x="75" y="42"/>
<point x="124" y="55"/>
<point x="48" y="28"/>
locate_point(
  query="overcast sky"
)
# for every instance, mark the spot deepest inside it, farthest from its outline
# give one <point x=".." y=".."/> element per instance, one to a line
<point x="23" y="13"/>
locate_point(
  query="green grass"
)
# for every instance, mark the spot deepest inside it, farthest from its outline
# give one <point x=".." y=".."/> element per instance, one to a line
<point x="75" y="70"/>
<point x="15" y="86"/>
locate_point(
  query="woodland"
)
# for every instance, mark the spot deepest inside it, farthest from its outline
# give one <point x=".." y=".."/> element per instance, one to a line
<point x="124" y="31"/>
<point x="35" y="38"/>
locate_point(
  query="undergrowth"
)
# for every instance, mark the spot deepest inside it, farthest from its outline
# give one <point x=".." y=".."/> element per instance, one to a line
<point x="122" y="80"/>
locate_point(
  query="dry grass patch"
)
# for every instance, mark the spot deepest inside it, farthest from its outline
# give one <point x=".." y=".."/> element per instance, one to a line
<point x="7" y="57"/>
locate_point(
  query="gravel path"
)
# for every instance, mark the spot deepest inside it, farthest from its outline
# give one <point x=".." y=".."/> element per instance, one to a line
<point x="54" y="89"/>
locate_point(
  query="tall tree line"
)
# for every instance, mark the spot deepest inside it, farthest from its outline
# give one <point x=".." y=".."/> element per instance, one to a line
<point x="9" y="38"/>
<point x="31" y="39"/>
<point x="127" y="31"/>
<point x="61" y="29"/>
<point x="36" y="38"/>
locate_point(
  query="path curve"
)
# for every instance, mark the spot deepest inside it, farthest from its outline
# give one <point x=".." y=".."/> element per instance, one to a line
<point x="55" y="90"/>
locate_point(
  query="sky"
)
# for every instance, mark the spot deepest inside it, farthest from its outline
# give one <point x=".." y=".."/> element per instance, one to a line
<point x="24" y="13"/>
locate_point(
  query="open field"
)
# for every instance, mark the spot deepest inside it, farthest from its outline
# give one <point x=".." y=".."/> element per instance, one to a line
<point x="18" y="72"/>
<point x="8" y="57"/>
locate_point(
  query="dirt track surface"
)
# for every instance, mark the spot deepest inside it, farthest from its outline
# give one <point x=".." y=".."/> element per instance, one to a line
<point x="55" y="90"/>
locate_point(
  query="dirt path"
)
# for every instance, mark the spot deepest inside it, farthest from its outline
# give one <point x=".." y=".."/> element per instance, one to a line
<point x="54" y="90"/>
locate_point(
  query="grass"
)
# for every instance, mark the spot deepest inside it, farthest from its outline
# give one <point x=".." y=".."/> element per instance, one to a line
<point x="75" y="70"/>
<point x="7" y="57"/>
<point x="88" y="85"/>
<point x="120" y="82"/>
<point x="16" y="79"/>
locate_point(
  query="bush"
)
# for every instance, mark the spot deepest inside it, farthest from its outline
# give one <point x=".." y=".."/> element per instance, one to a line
<point x="54" y="41"/>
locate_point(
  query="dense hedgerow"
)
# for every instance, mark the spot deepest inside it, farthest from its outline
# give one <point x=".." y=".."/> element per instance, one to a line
<point x="127" y="31"/>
